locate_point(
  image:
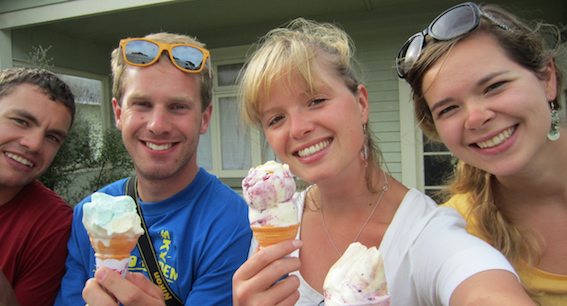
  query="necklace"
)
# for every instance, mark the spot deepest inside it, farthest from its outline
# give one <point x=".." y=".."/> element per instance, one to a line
<point x="359" y="232"/>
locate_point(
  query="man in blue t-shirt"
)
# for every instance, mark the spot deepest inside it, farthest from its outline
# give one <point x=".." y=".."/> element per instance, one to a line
<point x="198" y="226"/>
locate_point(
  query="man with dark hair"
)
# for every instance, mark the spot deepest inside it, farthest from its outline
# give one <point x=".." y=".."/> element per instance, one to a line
<point x="36" y="111"/>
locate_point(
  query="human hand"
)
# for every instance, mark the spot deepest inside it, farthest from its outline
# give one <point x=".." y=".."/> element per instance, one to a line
<point x="108" y="286"/>
<point x="253" y="282"/>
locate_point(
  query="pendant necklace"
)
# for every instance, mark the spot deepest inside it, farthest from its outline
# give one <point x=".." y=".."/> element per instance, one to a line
<point x="356" y="238"/>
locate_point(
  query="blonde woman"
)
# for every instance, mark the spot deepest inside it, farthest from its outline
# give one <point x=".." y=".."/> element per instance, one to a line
<point x="301" y="90"/>
<point x="488" y="86"/>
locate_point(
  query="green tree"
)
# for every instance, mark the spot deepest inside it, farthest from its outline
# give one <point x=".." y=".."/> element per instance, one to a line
<point x="90" y="158"/>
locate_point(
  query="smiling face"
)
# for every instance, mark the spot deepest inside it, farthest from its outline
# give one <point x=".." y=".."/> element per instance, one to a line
<point x="161" y="119"/>
<point x="33" y="127"/>
<point x="488" y="110"/>
<point x="319" y="134"/>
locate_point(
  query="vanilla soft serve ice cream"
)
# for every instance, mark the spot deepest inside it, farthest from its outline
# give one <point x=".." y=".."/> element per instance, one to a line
<point x="357" y="278"/>
<point x="268" y="189"/>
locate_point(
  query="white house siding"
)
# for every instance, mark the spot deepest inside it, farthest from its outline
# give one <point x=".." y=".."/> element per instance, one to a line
<point x="378" y="35"/>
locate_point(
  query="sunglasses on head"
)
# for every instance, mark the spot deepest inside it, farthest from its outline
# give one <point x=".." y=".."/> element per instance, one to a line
<point x="145" y="52"/>
<point x="454" y="22"/>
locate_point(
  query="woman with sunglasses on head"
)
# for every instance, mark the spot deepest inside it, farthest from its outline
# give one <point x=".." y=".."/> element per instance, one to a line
<point x="301" y="90"/>
<point x="488" y="86"/>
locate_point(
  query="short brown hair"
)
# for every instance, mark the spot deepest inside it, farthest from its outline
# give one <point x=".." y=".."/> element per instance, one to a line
<point x="49" y="83"/>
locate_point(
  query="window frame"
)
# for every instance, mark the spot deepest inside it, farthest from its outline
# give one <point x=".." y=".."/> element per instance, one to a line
<point x="228" y="56"/>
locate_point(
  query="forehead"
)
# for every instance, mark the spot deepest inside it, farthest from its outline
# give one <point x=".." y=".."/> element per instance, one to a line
<point x="29" y="99"/>
<point x="161" y="78"/>
<point x="469" y="58"/>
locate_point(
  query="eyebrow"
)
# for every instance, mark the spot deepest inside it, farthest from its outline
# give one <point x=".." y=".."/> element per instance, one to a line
<point x="480" y="83"/>
<point x="181" y="98"/>
<point x="33" y="119"/>
<point x="440" y="104"/>
<point x="489" y="77"/>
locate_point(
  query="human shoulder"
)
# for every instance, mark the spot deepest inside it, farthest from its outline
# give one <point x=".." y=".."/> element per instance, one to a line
<point x="42" y="202"/>
<point x="460" y="202"/>
<point x="207" y="188"/>
<point x="419" y="218"/>
<point x="417" y="204"/>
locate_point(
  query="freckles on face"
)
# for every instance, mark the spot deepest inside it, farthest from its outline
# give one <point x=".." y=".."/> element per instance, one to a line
<point x="490" y="111"/>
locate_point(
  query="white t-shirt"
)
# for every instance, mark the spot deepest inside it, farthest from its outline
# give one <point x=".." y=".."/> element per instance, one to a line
<point x="427" y="253"/>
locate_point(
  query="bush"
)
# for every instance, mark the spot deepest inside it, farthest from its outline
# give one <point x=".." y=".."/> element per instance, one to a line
<point x="80" y="168"/>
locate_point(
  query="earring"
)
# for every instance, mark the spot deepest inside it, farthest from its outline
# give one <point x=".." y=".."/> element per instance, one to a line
<point x="553" y="133"/>
<point x="364" y="151"/>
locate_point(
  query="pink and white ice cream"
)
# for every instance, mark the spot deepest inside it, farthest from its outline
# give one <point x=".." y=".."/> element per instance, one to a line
<point x="357" y="279"/>
<point x="268" y="189"/>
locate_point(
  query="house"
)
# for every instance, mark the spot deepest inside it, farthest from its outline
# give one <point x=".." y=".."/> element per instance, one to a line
<point x="82" y="33"/>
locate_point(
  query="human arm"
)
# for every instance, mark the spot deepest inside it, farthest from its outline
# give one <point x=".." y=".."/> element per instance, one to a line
<point x="493" y="287"/>
<point x="7" y="295"/>
<point x="461" y="269"/>
<point x="42" y="263"/>
<point x="252" y="282"/>
<point x="133" y="290"/>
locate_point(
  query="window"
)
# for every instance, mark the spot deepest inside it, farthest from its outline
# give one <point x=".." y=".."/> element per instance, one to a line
<point x="437" y="165"/>
<point x="426" y="165"/>
<point x="88" y="100"/>
<point x="229" y="149"/>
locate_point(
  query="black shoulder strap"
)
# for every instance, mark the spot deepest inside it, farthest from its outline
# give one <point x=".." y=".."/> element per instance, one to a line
<point x="147" y="250"/>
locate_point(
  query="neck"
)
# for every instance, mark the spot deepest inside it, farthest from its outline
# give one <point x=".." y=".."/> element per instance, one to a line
<point x="349" y="194"/>
<point x="7" y="193"/>
<point x="543" y="182"/>
<point x="154" y="190"/>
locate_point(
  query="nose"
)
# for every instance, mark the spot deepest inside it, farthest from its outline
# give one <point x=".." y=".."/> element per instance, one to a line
<point x="33" y="141"/>
<point x="300" y="124"/>
<point x="159" y="121"/>
<point x="478" y="115"/>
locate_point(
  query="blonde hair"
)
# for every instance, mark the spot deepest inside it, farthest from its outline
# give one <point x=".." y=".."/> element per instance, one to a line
<point x="529" y="48"/>
<point x="119" y="67"/>
<point x="293" y="54"/>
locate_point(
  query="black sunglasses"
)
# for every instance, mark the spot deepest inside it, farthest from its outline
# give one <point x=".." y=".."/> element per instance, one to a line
<point x="454" y="22"/>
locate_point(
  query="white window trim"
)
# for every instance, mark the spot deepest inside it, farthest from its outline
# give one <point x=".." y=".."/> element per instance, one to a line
<point x="107" y="113"/>
<point x="411" y="140"/>
<point x="226" y="56"/>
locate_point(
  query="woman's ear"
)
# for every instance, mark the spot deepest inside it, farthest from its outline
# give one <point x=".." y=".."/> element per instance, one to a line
<point x="549" y="81"/>
<point x="363" y="103"/>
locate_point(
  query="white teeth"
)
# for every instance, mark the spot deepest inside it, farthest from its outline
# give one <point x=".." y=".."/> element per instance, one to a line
<point x="19" y="159"/>
<point x="313" y="149"/>
<point x="496" y="140"/>
<point x="156" y="147"/>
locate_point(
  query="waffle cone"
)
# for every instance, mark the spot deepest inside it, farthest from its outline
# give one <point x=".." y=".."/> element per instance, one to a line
<point x="117" y="247"/>
<point x="268" y="235"/>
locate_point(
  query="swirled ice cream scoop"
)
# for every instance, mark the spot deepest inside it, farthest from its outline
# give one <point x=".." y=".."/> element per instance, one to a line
<point x="268" y="189"/>
<point x="114" y="227"/>
<point x="357" y="278"/>
<point x="107" y="215"/>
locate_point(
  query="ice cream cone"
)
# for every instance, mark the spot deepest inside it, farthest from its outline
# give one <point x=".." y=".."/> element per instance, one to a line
<point x="113" y="252"/>
<point x="268" y="235"/>
<point x="117" y="247"/>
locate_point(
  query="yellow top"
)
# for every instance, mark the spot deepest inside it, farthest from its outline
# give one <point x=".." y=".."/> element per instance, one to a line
<point x="554" y="286"/>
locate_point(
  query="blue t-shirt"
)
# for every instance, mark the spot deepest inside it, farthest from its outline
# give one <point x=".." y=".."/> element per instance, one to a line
<point x="201" y="236"/>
